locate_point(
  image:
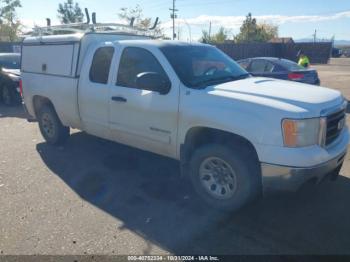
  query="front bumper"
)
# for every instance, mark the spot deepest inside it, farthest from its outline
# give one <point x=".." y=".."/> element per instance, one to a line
<point x="277" y="178"/>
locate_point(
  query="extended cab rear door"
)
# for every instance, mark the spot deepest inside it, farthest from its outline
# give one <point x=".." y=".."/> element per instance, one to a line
<point x="94" y="86"/>
<point x="144" y="119"/>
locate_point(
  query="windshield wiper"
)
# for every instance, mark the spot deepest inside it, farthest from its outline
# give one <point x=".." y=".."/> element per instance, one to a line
<point x="243" y="76"/>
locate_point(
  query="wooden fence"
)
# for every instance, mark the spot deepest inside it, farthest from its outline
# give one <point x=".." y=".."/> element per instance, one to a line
<point x="318" y="53"/>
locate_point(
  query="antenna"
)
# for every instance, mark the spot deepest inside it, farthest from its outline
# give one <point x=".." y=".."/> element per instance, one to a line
<point x="94" y="18"/>
<point x="48" y="22"/>
<point x="155" y="24"/>
<point x="132" y="21"/>
<point x="87" y="16"/>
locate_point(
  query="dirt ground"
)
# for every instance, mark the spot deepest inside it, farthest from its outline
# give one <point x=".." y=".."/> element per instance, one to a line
<point x="336" y="75"/>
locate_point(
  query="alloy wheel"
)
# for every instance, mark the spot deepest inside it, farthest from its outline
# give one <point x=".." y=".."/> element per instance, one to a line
<point x="218" y="178"/>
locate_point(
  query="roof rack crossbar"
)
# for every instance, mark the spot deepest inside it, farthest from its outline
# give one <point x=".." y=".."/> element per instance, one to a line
<point x="155" y="24"/>
<point x="86" y="27"/>
<point x="87" y="16"/>
<point x="94" y="18"/>
<point x="132" y="21"/>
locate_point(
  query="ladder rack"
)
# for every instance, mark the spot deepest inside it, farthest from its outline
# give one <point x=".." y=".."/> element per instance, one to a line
<point x="95" y="27"/>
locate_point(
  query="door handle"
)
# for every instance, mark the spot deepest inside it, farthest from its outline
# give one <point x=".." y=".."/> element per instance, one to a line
<point x="119" y="99"/>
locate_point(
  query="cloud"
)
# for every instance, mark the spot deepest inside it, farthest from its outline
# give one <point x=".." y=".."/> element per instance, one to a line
<point x="234" y="22"/>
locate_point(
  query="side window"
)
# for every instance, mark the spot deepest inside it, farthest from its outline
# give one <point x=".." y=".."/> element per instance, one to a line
<point x="269" y="67"/>
<point x="135" y="61"/>
<point x="101" y="64"/>
<point x="258" y="66"/>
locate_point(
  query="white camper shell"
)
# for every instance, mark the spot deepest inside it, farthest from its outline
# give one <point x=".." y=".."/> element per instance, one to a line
<point x="62" y="55"/>
<point x="55" y="62"/>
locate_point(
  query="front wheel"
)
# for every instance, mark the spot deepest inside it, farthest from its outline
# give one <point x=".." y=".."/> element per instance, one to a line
<point x="223" y="177"/>
<point x="51" y="126"/>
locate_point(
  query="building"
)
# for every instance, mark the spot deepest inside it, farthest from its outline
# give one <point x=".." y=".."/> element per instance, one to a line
<point x="282" y="40"/>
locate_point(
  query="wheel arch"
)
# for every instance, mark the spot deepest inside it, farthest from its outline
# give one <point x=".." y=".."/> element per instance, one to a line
<point x="39" y="101"/>
<point x="198" y="136"/>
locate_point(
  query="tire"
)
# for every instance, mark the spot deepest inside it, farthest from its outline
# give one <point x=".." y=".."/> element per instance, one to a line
<point x="51" y="126"/>
<point x="224" y="178"/>
<point x="7" y="95"/>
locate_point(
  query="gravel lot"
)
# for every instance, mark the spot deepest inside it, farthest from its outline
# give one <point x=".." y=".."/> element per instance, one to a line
<point x="336" y="75"/>
<point x="96" y="197"/>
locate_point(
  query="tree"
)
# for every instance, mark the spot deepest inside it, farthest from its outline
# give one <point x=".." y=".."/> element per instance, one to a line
<point x="10" y="25"/>
<point x="70" y="12"/>
<point x="251" y="31"/>
<point x="205" y="37"/>
<point x="127" y="13"/>
<point x="220" y="37"/>
<point x="268" y="31"/>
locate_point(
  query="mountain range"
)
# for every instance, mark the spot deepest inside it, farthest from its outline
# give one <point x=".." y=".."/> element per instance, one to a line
<point x="336" y="42"/>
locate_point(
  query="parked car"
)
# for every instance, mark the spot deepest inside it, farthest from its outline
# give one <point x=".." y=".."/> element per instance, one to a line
<point x="10" y="74"/>
<point x="280" y="68"/>
<point x="235" y="136"/>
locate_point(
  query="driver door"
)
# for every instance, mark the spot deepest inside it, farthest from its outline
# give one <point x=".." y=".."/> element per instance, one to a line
<point x="143" y="118"/>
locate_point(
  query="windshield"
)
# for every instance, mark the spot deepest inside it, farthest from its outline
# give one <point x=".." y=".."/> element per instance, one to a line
<point x="200" y="66"/>
<point x="10" y="61"/>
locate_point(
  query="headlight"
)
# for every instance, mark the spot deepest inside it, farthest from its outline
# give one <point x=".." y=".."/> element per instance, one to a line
<point x="304" y="132"/>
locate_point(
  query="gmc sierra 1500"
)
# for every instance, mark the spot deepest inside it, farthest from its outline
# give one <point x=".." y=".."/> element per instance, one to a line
<point x="235" y="136"/>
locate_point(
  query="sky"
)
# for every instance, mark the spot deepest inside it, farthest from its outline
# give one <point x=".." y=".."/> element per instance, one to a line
<point x="296" y="18"/>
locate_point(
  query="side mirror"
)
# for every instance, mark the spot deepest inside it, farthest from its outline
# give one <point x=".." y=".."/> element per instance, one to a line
<point x="153" y="81"/>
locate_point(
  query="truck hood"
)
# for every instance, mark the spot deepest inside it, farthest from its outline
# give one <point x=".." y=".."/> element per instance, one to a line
<point x="306" y="100"/>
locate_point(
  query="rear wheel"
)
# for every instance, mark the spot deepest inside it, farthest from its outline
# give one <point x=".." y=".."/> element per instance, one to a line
<point x="224" y="178"/>
<point x="51" y="126"/>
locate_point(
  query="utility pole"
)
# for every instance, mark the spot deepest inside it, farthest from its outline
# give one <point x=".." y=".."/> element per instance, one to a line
<point x="173" y="16"/>
<point x="315" y="34"/>
<point x="209" y="31"/>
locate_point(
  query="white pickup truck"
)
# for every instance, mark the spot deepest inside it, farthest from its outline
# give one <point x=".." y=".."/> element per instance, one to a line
<point x="235" y="136"/>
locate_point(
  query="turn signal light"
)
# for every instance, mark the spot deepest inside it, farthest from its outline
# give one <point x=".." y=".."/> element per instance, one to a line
<point x="290" y="129"/>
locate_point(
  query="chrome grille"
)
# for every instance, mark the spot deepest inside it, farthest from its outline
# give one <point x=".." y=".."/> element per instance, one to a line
<point x="335" y="125"/>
